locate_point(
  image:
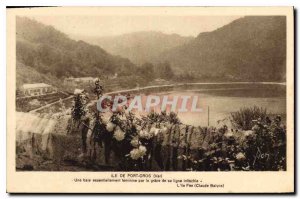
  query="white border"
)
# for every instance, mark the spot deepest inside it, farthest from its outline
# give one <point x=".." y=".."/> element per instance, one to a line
<point x="4" y="3"/>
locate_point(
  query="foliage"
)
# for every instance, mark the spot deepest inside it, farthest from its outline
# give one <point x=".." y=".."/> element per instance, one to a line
<point x="78" y="109"/>
<point x="98" y="90"/>
<point x="135" y="141"/>
<point x="265" y="149"/>
<point x="147" y="71"/>
<point x="163" y="117"/>
<point x="262" y="149"/>
<point x="222" y="52"/>
<point x="164" y="71"/>
<point x="244" y="118"/>
<point x="40" y="47"/>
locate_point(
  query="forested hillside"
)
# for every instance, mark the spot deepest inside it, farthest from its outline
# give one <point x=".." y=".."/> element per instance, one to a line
<point x="48" y="51"/>
<point x="139" y="47"/>
<point x="251" y="48"/>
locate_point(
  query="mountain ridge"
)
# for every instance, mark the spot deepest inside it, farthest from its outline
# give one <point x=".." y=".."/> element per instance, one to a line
<point x="252" y="48"/>
<point x="248" y="49"/>
<point x="139" y="47"/>
<point x="47" y="50"/>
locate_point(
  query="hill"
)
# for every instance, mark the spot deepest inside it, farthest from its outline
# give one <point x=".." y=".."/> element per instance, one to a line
<point x="26" y="74"/>
<point x="45" y="50"/>
<point x="139" y="47"/>
<point x="250" y="48"/>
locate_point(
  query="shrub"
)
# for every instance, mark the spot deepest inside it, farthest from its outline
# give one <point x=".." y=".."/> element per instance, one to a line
<point x="245" y="117"/>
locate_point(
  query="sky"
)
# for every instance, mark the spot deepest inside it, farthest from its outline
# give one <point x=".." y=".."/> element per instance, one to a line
<point x="118" y="25"/>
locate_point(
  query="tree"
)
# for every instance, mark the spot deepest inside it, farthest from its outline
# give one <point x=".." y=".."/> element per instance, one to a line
<point x="165" y="70"/>
<point x="147" y="71"/>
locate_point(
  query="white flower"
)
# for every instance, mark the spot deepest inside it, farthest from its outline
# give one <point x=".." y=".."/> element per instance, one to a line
<point x="229" y="134"/>
<point x="249" y="132"/>
<point x="145" y="134"/>
<point x="182" y="157"/>
<point x="135" y="154"/>
<point x="119" y="134"/>
<point x="240" y="156"/>
<point x="135" y="142"/>
<point x="154" y="131"/>
<point x="142" y="133"/>
<point x="110" y="127"/>
<point x="142" y="150"/>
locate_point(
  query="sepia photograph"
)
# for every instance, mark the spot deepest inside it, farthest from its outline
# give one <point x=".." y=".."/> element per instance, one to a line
<point x="155" y="91"/>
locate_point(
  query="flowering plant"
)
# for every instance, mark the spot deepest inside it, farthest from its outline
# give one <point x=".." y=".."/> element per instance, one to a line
<point x="119" y="135"/>
<point x="139" y="152"/>
<point x="144" y="134"/>
<point x="135" y="142"/>
<point x="110" y="127"/>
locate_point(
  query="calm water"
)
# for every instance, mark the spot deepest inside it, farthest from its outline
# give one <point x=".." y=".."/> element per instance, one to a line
<point x="224" y="99"/>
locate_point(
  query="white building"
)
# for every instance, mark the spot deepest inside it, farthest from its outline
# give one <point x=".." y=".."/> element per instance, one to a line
<point x="37" y="89"/>
<point x="79" y="80"/>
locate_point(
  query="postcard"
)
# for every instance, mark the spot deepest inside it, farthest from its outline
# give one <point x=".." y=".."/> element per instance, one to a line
<point x="150" y="100"/>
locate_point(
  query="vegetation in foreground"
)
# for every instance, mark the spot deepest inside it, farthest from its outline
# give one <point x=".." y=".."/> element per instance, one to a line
<point x="246" y="117"/>
<point x="257" y="144"/>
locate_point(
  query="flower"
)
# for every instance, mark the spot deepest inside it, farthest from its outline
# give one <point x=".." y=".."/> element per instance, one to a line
<point x="135" y="142"/>
<point x="142" y="150"/>
<point x="144" y="134"/>
<point x="119" y="134"/>
<point x="240" y="156"/>
<point x="182" y="157"/>
<point x="110" y="127"/>
<point x="135" y="154"/>
<point x="229" y="134"/>
<point x="249" y="133"/>
<point x="154" y="131"/>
